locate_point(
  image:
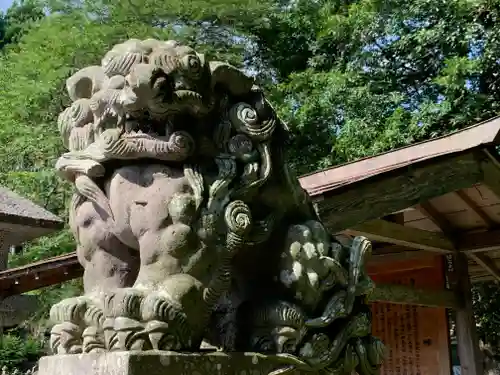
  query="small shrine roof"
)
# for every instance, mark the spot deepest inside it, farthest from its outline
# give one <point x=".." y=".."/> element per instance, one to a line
<point x="22" y="220"/>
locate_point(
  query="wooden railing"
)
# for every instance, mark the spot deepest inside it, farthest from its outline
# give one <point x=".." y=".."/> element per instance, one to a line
<point x="37" y="275"/>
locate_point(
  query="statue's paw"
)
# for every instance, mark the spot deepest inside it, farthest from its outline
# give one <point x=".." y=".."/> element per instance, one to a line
<point x="121" y="320"/>
<point x="167" y="325"/>
<point x="93" y="340"/>
<point x="161" y="336"/>
<point x="66" y="338"/>
<point x="70" y="310"/>
<point x="129" y="334"/>
<point x="94" y="316"/>
<point x="123" y="303"/>
<point x="73" y="316"/>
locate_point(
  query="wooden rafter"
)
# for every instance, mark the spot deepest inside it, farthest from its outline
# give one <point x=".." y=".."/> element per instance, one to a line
<point x="480" y="242"/>
<point x="413" y="238"/>
<point x="488" y="222"/>
<point x="397" y="234"/>
<point x="438" y="219"/>
<point x="487" y="263"/>
<point x="404" y="254"/>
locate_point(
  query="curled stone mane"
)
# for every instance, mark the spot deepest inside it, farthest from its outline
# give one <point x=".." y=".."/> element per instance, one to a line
<point x="187" y="216"/>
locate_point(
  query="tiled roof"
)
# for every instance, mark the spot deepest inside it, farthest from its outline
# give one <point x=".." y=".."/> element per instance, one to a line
<point x="18" y="210"/>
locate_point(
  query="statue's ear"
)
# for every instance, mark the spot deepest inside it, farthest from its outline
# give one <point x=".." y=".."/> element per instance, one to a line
<point x="233" y="79"/>
<point x="86" y="82"/>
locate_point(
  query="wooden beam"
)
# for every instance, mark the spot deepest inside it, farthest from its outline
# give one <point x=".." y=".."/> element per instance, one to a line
<point x="402" y="294"/>
<point x="488" y="222"/>
<point x="384" y="231"/>
<point x="413" y="238"/>
<point x="394" y="253"/>
<point x="439" y="220"/>
<point x="487" y="263"/>
<point x="48" y="272"/>
<point x="480" y="242"/>
<point x="377" y="196"/>
<point x="467" y="339"/>
<point x="409" y="265"/>
<point x="491" y="172"/>
<point x="383" y="259"/>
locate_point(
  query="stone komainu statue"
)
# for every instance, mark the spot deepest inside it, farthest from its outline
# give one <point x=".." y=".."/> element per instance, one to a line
<point x="190" y="226"/>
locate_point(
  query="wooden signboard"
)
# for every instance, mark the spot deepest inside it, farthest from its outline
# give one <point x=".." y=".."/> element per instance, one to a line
<point x="416" y="337"/>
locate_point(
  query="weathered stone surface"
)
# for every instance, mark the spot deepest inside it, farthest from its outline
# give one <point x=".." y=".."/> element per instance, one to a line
<point x="159" y="363"/>
<point x="191" y="226"/>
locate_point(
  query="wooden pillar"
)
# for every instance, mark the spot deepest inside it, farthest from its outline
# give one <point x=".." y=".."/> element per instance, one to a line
<point x="467" y="339"/>
<point x="4" y="258"/>
<point x="4" y="250"/>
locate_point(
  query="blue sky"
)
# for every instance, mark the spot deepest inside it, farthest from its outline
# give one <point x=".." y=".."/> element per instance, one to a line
<point x="4" y="4"/>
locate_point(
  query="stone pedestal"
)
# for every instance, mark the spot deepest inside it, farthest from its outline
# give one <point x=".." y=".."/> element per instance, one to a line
<point x="159" y="363"/>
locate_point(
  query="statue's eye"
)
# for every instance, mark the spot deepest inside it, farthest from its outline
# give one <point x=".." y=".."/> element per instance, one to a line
<point x="289" y="346"/>
<point x="263" y="343"/>
<point x="192" y="64"/>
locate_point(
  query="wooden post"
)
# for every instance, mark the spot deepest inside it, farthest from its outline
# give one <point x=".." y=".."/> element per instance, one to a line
<point x="467" y="339"/>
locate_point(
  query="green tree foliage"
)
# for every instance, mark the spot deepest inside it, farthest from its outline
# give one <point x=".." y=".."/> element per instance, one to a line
<point x="486" y="299"/>
<point x="362" y="77"/>
<point x="16" y="351"/>
<point x="16" y="21"/>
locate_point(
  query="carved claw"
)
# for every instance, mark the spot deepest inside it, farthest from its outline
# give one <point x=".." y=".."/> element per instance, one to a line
<point x="351" y="360"/>
<point x="346" y="364"/>
<point x="109" y="332"/>
<point x="66" y="338"/>
<point x="167" y="322"/>
<point x="124" y="302"/>
<point x="358" y="326"/>
<point x="375" y="350"/>
<point x="130" y="335"/>
<point x="334" y="310"/>
<point x="93" y="340"/>
<point x="69" y="310"/>
<point x="160" y="336"/>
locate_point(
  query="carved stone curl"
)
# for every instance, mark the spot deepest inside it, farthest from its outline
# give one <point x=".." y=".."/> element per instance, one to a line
<point x="190" y="225"/>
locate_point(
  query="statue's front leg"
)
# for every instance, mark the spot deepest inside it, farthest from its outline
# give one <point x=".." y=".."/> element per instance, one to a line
<point x="80" y="320"/>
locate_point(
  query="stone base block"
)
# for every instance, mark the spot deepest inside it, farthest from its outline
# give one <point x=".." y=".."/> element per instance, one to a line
<point x="159" y="363"/>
